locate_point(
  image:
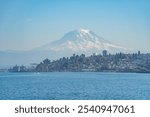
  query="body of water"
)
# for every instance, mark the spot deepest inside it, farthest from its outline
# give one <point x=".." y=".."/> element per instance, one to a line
<point x="74" y="86"/>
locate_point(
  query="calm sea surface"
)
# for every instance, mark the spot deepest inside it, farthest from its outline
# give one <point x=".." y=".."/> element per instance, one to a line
<point x="74" y="85"/>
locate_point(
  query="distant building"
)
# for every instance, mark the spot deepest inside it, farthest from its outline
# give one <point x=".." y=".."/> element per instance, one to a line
<point x="94" y="54"/>
<point x="139" y="53"/>
<point x="104" y="52"/>
<point x="15" y="69"/>
<point x="18" y="69"/>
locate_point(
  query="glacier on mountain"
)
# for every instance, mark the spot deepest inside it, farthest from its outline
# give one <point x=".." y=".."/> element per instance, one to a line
<point x="82" y="41"/>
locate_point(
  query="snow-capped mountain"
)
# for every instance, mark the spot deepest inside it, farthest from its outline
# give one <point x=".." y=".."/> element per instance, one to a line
<point x="78" y="41"/>
<point x="82" y="41"/>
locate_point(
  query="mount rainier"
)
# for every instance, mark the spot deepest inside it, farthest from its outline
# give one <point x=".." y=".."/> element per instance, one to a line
<point x="81" y="41"/>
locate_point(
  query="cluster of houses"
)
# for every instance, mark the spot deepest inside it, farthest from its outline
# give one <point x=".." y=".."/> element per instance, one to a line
<point x="119" y="62"/>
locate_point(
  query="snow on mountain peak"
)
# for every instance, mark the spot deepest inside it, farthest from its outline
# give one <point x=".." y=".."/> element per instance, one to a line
<point x="84" y="30"/>
<point x="78" y="36"/>
<point x="82" y="41"/>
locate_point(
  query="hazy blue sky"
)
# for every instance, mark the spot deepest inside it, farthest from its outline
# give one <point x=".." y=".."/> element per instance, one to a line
<point x="25" y="24"/>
